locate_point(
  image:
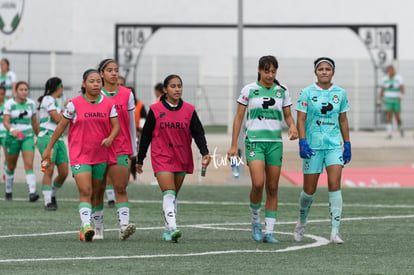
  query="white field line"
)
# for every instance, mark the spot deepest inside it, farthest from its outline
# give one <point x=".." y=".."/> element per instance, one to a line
<point x="319" y="241"/>
<point x="409" y="206"/>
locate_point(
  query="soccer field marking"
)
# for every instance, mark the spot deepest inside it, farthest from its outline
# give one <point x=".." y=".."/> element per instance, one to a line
<point x="408" y="206"/>
<point x="319" y="241"/>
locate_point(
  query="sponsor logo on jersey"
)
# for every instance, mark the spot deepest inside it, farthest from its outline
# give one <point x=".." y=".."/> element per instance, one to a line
<point x="95" y="115"/>
<point x="173" y="125"/>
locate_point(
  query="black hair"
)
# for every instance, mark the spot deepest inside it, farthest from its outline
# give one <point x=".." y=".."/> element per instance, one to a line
<point x="50" y="87"/>
<point x="324" y="59"/>
<point x="7" y="61"/>
<point x="2" y="87"/>
<point x="133" y="93"/>
<point x="22" y="83"/>
<point x="85" y="76"/>
<point x="167" y="81"/>
<point x="264" y="64"/>
<point x="102" y="65"/>
<point x="159" y="87"/>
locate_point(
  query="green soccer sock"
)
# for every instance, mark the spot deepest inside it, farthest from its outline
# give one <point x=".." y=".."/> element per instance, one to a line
<point x="305" y="202"/>
<point x="335" y="209"/>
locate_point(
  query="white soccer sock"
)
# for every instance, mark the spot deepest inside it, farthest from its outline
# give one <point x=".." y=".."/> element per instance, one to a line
<point x="169" y="209"/>
<point x="97" y="217"/>
<point x="110" y="193"/>
<point x="47" y="194"/>
<point x="123" y="213"/>
<point x="85" y="211"/>
<point x="389" y="128"/>
<point x="255" y="210"/>
<point x="9" y="181"/>
<point x="335" y="209"/>
<point x="269" y="225"/>
<point x="31" y="181"/>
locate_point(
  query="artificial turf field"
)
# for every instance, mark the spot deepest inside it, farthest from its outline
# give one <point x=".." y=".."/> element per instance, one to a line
<point x="377" y="227"/>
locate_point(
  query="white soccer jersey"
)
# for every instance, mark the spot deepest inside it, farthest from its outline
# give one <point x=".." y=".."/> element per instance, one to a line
<point x="264" y="111"/>
<point x="47" y="105"/>
<point x="20" y="113"/>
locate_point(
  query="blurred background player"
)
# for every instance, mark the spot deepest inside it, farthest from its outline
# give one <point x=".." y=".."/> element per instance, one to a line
<point x="268" y="99"/>
<point x="90" y="138"/>
<point x="49" y="116"/>
<point x="21" y="123"/>
<point x="392" y="91"/>
<point x="8" y="78"/>
<point x="171" y="153"/>
<point x="158" y="91"/>
<point x="323" y="127"/>
<point x="3" y="130"/>
<point x="124" y="146"/>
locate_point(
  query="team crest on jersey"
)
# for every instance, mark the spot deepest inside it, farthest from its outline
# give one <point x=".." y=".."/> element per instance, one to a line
<point x="278" y="94"/>
<point x="10" y="15"/>
<point x="335" y="99"/>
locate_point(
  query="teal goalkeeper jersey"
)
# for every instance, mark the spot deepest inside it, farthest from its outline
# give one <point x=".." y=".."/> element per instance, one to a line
<point x="264" y="111"/>
<point x="322" y="108"/>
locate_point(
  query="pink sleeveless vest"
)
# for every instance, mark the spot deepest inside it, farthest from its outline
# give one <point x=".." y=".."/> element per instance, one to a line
<point x="171" y="139"/>
<point x="86" y="133"/>
<point x="122" y="143"/>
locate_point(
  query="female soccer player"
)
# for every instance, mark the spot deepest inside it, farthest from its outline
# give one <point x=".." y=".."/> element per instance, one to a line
<point x="3" y="130"/>
<point x="7" y="78"/>
<point x="265" y="100"/>
<point x="322" y="125"/>
<point x="124" y="146"/>
<point x="170" y="126"/>
<point x="21" y="123"/>
<point x="93" y="125"/>
<point x="392" y="91"/>
<point x="50" y="115"/>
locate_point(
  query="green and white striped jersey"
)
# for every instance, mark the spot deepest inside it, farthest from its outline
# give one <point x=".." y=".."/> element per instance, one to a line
<point x="20" y="114"/>
<point x="392" y="88"/>
<point x="264" y="111"/>
<point x="48" y="104"/>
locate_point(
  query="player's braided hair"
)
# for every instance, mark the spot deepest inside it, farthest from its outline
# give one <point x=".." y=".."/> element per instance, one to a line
<point x="264" y="64"/>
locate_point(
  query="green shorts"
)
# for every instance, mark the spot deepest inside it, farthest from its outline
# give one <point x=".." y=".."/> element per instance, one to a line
<point x="122" y="160"/>
<point x="60" y="154"/>
<point x="270" y="152"/>
<point x="14" y="146"/>
<point x="393" y="106"/>
<point x="3" y="141"/>
<point x="328" y="157"/>
<point x="175" y="173"/>
<point x="97" y="170"/>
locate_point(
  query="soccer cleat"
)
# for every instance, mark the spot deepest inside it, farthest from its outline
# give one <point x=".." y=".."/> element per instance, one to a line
<point x="86" y="233"/>
<point x="175" y="234"/>
<point x="33" y="197"/>
<point x="335" y="238"/>
<point x="126" y="230"/>
<point x="299" y="231"/>
<point x="50" y="207"/>
<point x="54" y="202"/>
<point x="268" y="238"/>
<point x="111" y="204"/>
<point x="99" y="233"/>
<point x="257" y="232"/>
<point x="166" y="236"/>
<point x="9" y="196"/>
